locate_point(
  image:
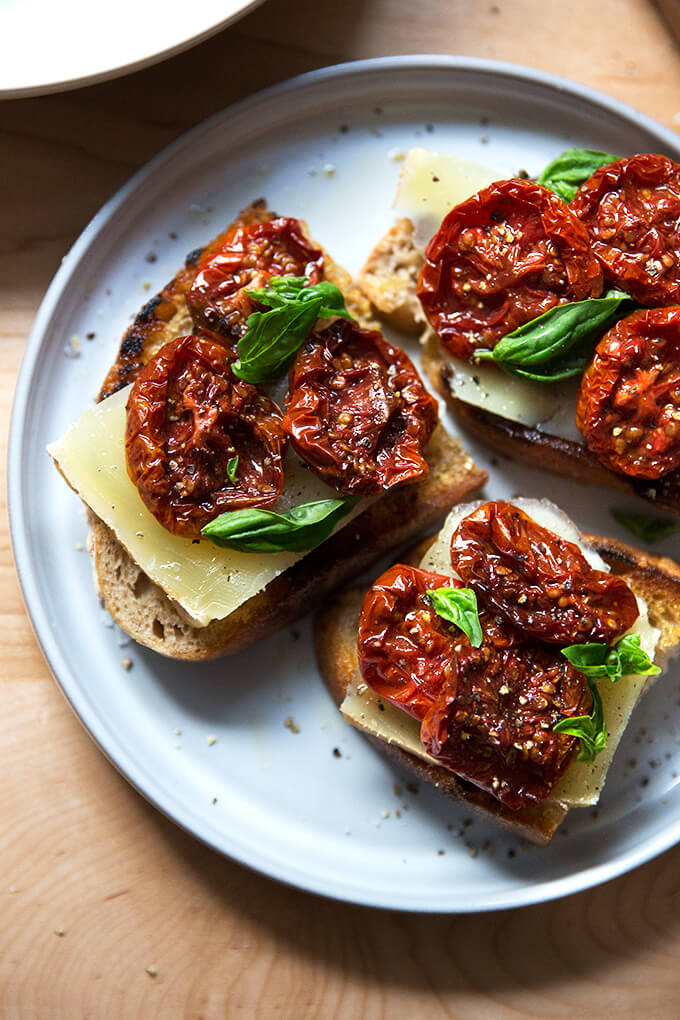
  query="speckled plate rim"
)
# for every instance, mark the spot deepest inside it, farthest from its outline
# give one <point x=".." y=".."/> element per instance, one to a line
<point x="143" y="780"/>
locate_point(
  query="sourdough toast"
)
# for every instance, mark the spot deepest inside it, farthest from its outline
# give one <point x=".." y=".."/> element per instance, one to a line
<point x="146" y="613"/>
<point x="655" y="579"/>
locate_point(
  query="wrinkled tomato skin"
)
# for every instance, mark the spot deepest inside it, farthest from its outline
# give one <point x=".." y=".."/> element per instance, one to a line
<point x="493" y="721"/>
<point x="405" y="648"/>
<point x="631" y="209"/>
<point x="628" y="406"/>
<point x="187" y="417"/>
<point x="506" y="255"/>
<point x="357" y="411"/>
<point x="247" y="260"/>
<point x="475" y="705"/>
<point x="537" y="581"/>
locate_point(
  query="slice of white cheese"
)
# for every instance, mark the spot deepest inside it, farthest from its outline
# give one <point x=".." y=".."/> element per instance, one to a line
<point x="208" y="583"/>
<point x="547" y="408"/>
<point x="360" y="707"/>
<point x="582" y="783"/>
<point x="432" y="183"/>
<point x="429" y="186"/>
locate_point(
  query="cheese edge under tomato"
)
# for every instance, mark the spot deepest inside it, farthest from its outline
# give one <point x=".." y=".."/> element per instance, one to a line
<point x="430" y="185"/>
<point x="207" y="582"/>
<point x="582" y="782"/>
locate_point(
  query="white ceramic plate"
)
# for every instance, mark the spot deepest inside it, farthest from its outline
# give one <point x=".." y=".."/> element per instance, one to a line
<point x="339" y="822"/>
<point x="79" y="42"/>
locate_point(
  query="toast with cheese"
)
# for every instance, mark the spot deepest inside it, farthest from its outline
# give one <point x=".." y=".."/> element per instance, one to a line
<point x="283" y="586"/>
<point x="512" y="416"/>
<point x="655" y="581"/>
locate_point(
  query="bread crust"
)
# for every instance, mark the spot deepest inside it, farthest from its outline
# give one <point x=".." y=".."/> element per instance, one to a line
<point x="389" y="277"/>
<point x="145" y="612"/>
<point x="335" y="634"/>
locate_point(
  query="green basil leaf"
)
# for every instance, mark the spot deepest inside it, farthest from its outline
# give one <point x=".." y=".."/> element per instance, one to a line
<point x="571" y="169"/>
<point x="625" y="658"/>
<point x="590" y="729"/>
<point x="565" y="367"/>
<point x="590" y="659"/>
<point x="283" y="290"/>
<point x="273" y="339"/>
<point x="332" y="300"/>
<point x="262" y="531"/>
<point x="280" y="290"/>
<point x="459" y="606"/>
<point x="559" y="344"/>
<point x="232" y="464"/>
<point x="649" y="529"/>
<point x="634" y="660"/>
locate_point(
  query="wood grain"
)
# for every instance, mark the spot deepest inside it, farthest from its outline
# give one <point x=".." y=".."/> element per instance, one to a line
<point x="80" y="852"/>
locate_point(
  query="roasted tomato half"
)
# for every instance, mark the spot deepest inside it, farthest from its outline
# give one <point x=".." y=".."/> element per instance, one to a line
<point x="405" y="648"/>
<point x="188" y="418"/>
<point x="631" y="209"/>
<point x="628" y="406"/>
<point x="492" y="723"/>
<point x="538" y="581"/>
<point x="248" y="259"/>
<point x="357" y="411"/>
<point x="506" y="255"/>
<point x="486" y="713"/>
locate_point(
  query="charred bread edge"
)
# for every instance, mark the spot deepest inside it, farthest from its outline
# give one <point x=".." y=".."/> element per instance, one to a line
<point x="166" y="316"/>
<point x="335" y="642"/>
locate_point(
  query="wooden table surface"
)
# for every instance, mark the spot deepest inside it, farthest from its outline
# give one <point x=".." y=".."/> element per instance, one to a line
<point x="95" y="886"/>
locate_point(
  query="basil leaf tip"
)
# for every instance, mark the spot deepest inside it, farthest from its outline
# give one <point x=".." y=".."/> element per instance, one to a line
<point x="565" y="174"/>
<point x="625" y="658"/>
<point x="596" y="659"/>
<point x="299" y="529"/>
<point x="232" y="464"/>
<point x="459" y="606"/>
<point x="644" y="526"/>
<point x="559" y="344"/>
<point x="274" y="336"/>
<point x="590" y="729"/>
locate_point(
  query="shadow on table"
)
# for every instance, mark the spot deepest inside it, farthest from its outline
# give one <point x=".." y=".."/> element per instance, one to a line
<point x="510" y="951"/>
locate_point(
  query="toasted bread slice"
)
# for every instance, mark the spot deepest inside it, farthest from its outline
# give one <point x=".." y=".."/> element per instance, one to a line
<point x="145" y="612"/>
<point x="656" y="579"/>
<point x="389" y="278"/>
<point x="393" y="295"/>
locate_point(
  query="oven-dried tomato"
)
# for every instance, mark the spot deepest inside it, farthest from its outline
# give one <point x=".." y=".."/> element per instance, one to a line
<point x="357" y="411"/>
<point x="405" y="648"/>
<point x="628" y="406"/>
<point x="631" y="209"/>
<point x="188" y="418"/>
<point x="247" y="260"/>
<point x="492" y="723"/>
<point x="506" y="255"/>
<point x="487" y="713"/>
<point x="538" y="581"/>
